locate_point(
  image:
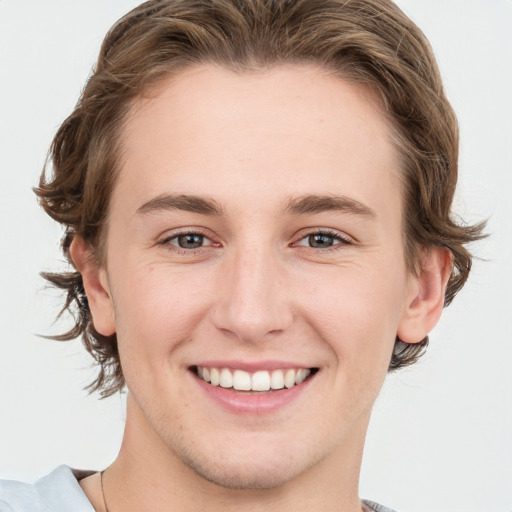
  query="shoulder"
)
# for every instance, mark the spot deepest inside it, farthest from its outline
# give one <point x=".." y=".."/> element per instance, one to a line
<point x="57" y="492"/>
<point x="371" y="506"/>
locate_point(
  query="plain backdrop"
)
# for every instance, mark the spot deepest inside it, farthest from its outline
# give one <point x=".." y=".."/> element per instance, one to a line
<point x="440" y="437"/>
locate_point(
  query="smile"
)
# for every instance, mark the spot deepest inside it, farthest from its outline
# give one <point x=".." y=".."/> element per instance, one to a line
<point x="262" y="380"/>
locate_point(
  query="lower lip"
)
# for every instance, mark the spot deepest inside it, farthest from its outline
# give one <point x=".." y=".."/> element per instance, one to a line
<point x="252" y="403"/>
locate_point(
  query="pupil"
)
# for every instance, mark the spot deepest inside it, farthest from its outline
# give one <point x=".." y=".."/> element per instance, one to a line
<point x="320" y="241"/>
<point x="190" y="241"/>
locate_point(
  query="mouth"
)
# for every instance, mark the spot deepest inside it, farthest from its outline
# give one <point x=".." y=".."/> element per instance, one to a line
<point x="260" y="381"/>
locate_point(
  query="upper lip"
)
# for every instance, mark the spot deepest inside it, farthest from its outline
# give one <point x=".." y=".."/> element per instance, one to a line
<point x="252" y="366"/>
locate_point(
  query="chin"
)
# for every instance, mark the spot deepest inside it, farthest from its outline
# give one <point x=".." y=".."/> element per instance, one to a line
<point x="262" y="469"/>
<point x="245" y="475"/>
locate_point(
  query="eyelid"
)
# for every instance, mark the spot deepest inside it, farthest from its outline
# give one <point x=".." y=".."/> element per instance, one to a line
<point x="342" y="238"/>
<point x="174" y="238"/>
<point x="167" y="238"/>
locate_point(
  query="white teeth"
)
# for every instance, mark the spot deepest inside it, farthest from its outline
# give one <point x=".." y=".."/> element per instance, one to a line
<point x="277" y="379"/>
<point x="301" y="375"/>
<point x="226" y="379"/>
<point x="289" y="378"/>
<point x="214" y="377"/>
<point x="261" y="380"/>
<point x="241" y="380"/>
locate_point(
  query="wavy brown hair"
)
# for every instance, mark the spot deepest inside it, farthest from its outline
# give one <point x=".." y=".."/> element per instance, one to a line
<point x="365" y="41"/>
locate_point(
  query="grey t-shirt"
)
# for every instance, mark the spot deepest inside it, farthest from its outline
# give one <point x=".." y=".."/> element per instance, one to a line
<point x="60" y="492"/>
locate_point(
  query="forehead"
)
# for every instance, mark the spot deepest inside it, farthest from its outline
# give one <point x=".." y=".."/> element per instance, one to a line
<point x="297" y="125"/>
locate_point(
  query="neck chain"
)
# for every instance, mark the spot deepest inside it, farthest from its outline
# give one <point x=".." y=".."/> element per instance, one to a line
<point x="103" y="491"/>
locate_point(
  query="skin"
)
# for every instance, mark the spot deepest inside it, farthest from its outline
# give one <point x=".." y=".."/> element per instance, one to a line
<point x="256" y="290"/>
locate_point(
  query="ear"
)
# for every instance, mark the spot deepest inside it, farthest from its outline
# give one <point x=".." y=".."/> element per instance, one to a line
<point x="425" y="296"/>
<point x="96" y="286"/>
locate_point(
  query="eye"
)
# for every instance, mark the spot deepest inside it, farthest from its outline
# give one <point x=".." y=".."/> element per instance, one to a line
<point x="323" y="240"/>
<point x="189" y="241"/>
<point x="320" y="241"/>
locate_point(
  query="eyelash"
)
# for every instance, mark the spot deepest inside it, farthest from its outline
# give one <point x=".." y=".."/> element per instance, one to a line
<point x="335" y="235"/>
<point x="339" y="241"/>
<point x="166" y="242"/>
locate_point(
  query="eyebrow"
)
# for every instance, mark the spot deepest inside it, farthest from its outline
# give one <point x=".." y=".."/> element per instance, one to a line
<point x="189" y="203"/>
<point x="313" y="203"/>
<point x="303" y="205"/>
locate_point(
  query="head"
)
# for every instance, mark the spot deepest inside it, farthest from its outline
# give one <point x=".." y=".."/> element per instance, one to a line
<point x="368" y="43"/>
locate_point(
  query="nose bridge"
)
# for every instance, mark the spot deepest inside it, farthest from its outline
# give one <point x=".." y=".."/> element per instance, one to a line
<point x="253" y="300"/>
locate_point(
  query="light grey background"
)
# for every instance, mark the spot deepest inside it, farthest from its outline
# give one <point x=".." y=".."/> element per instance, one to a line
<point x="440" y="438"/>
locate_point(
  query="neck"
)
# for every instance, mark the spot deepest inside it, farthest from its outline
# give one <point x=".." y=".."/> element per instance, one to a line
<point x="148" y="475"/>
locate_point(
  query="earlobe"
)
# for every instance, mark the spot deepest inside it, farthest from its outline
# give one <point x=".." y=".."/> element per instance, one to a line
<point x="425" y="298"/>
<point x="94" y="278"/>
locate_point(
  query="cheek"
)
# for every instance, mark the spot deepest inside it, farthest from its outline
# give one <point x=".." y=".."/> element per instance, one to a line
<point x="356" y="312"/>
<point x="156" y="311"/>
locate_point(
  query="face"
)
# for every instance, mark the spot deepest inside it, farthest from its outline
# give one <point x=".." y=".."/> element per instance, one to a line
<point x="255" y="242"/>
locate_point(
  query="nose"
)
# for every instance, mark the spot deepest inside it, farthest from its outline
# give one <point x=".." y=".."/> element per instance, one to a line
<point x="253" y="301"/>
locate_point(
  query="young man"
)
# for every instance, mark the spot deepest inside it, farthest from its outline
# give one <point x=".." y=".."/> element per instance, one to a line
<point x="257" y="202"/>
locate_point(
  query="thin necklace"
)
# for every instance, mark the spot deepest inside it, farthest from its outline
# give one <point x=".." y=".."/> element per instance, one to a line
<point x="103" y="491"/>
